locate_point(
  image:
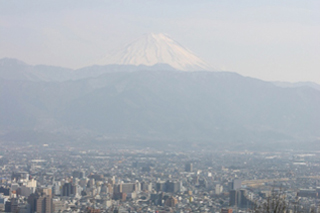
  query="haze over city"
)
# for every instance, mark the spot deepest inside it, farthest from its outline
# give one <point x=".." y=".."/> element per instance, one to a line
<point x="159" y="106"/>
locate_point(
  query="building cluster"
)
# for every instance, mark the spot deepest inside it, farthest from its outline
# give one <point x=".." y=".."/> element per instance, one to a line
<point x="47" y="179"/>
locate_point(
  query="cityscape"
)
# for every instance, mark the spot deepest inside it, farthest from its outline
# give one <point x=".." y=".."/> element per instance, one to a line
<point x="64" y="178"/>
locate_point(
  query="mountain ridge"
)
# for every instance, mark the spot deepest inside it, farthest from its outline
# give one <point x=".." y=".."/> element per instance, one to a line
<point x="14" y="69"/>
<point x="171" y="106"/>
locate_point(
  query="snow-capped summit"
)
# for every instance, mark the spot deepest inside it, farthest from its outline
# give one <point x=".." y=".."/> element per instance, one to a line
<point x="152" y="49"/>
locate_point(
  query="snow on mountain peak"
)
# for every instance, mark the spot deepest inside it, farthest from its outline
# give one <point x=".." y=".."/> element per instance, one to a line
<point x="151" y="49"/>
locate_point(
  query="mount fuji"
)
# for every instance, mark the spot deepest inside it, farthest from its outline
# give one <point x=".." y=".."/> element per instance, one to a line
<point x="151" y="49"/>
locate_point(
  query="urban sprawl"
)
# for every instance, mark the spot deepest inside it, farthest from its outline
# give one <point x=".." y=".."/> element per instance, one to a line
<point x="63" y="178"/>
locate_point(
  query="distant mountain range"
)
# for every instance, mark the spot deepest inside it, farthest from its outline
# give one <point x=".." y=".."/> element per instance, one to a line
<point x="153" y="103"/>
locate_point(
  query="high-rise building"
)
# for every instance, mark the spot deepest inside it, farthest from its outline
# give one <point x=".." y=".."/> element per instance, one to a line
<point x="14" y="205"/>
<point x="236" y="184"/>
<point x="5" y="190"/>
<point x="168" y="186"/>
<point x="56" y="188"/>
<point x="117" y="188"/>
<point x="119" y="196"/>
<point x="146" y="186"/>
<point x="172" y="186"/>
<point x="161" y="186"/>
<point x="69" y="189"/>
<point x="44" y="204"/>
<point x="188" y="167"/>
<point x="128" y="187"/>
<point x="233" y="197"/>
<point x="110" y="188"/>
<point x="307" y="193"/>
<point x="218" y="189"/>
<point x="137" y="187"/>
<point x="91" y="183"/>
<point x="78" y="174"/>
<point x="103" y="189"/>
<point x="41" y="201"/>
<point x="7" y="206"/>
<point x="112" y="180"/>
<point x="240" y="199"/>
<point x="171" y="202"/>
<point x="226" y="210"/>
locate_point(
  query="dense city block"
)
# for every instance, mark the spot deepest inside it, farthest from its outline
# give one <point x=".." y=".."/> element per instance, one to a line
<point x="62" y="178"/>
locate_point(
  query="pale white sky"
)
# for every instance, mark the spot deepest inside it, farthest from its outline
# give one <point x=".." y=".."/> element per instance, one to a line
<point x="270" y="40"/>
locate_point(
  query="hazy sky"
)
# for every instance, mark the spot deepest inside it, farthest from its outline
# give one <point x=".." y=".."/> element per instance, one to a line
<point x="270" y="40"/>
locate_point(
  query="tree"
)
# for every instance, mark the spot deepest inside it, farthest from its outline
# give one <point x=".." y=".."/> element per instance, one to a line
<point x="277" y="203"/>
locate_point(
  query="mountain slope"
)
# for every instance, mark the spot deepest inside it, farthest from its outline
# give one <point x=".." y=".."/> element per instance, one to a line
<point x="196" y="106"/>
<point x="152" y="49"/>
<point x="172" y="105"/>
<point x="13" y="69"/>
<point x="297" y="84"/>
